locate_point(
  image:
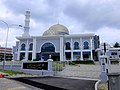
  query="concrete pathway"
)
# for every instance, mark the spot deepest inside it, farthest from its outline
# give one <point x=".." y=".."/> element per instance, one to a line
<point x="6" y="84"/>
<point x="86" y="71"/>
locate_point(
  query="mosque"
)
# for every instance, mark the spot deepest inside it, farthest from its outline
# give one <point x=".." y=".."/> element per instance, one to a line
<point x="57" y="42"/>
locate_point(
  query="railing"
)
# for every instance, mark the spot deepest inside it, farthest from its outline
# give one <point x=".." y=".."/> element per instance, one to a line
<point x="62" y="68"/>
<point x="59" y="65"/>
<point x="12" y="63"/>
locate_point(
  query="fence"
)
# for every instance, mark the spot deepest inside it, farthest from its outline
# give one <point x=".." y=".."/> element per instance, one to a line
<point x="62" y="68"/>
<point x="57" y="66"/>
<point x="12" y="65"/>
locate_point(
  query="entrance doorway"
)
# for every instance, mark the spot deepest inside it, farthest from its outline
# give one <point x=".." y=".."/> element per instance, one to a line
<point x="54" y="56"/>
<point x="49" y="49"/>
<point x="86" y="55"/>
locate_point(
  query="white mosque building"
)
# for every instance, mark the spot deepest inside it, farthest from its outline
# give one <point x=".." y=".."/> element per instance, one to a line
<point x="57" y="42"/>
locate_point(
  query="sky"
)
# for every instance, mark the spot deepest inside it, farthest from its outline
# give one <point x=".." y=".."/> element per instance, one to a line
<point x="101" y="17"/>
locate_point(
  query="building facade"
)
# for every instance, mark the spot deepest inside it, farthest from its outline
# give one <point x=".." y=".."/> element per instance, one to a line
<point x="111" y="52"/>
<point x="57" y="42"/>
<point x="6" y="53"/>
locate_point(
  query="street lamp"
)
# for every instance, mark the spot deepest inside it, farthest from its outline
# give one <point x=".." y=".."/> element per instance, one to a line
<point x="5" y="42"/>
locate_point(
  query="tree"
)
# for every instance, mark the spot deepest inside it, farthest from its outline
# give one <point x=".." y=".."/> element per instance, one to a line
<point x="116" y="45"/>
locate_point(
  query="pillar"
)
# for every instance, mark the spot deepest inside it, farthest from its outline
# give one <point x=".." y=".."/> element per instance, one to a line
<point x="61" y="48"/>
<point x="26" y="53"/>
<point x="71" y="49"/>
<point x="91" y="54"/>
<point x="81" y="47"/>
<point x="18" y="52"/>
<point x="34" y="49"/>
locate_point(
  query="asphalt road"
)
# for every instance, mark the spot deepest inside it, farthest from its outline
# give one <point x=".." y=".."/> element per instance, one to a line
<point x="58" y="83"/>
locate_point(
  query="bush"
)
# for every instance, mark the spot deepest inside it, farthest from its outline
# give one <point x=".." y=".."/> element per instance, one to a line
<point x="81" y="62"/>
<point x="36" y="59"/>
<point x="10" y="72"/>
<point x="58" y="66"/>
<point x="114" y="62"/>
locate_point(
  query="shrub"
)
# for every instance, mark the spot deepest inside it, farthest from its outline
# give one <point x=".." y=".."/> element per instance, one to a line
<point x="10" y="72"/>
<point x="36" y="59"/>
<point x="58" y="66"/>
<point x="114" y="62"/>
<point x="81" y="62"/>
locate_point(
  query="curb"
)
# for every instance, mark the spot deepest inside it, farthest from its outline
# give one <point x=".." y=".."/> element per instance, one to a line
<point x="96" y="84"/>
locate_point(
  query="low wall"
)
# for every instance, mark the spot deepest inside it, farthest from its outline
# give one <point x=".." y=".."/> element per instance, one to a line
<point x="17" y="66"/>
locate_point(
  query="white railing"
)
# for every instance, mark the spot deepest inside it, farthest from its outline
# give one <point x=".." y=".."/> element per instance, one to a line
<point x="58" y="66"/>
<point x="12" y="62"/>
<point x="17" y="62"/>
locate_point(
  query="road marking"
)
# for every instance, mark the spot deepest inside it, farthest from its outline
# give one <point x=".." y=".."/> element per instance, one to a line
<point x="16" y="88"/>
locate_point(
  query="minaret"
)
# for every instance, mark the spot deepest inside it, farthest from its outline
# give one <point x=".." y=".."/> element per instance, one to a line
<point x="26" y="27"/>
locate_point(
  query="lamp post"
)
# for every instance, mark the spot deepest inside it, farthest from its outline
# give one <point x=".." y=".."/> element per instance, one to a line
<point x="5" y="42"/>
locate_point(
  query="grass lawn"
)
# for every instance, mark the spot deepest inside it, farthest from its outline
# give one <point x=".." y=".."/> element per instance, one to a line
<point x="10" y="72"/>
<point x="103" y="86"/>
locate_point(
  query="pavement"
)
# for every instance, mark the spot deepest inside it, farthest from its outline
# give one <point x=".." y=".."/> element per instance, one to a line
<point x="7" y="84"/>
<point x="86" y="71"/>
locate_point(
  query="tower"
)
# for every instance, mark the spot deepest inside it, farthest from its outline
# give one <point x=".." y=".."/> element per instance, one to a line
<point x="26" y="27"/>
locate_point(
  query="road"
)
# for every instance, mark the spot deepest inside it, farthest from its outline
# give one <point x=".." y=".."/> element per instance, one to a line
<point x="58" y="83"/>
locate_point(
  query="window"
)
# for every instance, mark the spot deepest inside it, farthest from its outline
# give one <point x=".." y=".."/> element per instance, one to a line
<point x="22" y="56"/>
<point x="23" y="47"/>
<point x="113" y="53"/>
<point x="76" y="45"/>
<point x="67" y="46"/>
<point x="31" y="46"/>
<point x="68" y="55"/>
<point x="29" y="56"/>
<point x="48" y="47"/>
<point x="86" y="45"/>
<point x="76" y="55"/>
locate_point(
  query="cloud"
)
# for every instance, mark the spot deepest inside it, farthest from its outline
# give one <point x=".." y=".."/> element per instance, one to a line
<point x="41" y="11"/>
<point x="92" y="15"/>
<point x="79" y="16"/>
<point x="95" y="15"/>
<point x="108" y="34"/>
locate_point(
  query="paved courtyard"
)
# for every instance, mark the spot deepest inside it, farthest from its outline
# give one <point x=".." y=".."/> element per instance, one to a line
<point x="86" y="71"/>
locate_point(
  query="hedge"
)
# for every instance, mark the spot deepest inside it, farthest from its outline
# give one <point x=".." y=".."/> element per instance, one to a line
<point x="82" y="62"/>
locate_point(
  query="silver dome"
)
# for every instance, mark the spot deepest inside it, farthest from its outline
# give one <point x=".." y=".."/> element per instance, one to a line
<point x="56" y="29"/>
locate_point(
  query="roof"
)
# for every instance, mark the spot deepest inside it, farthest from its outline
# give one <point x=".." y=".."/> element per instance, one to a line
<point x="56" y="29"/>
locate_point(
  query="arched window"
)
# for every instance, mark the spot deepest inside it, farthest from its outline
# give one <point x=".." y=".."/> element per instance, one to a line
<point x="23" y="47"/>
<point x="68" y="46"/>
<point x="31" y="46"/>
<point x="48" y="47"/>
<point x="76" y="45"/>
<point x="86" y="45"/>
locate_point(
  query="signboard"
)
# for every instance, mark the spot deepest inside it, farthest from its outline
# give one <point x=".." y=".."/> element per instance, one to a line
<point x="35" y="65"/>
